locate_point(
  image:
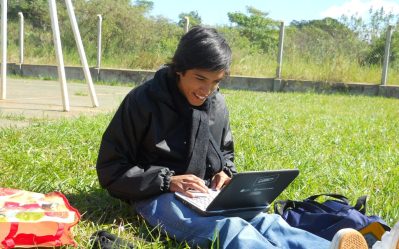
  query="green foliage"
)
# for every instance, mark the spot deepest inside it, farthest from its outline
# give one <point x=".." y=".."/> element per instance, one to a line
<point x="259" y="29"/>
<point x="326" y="44"/>
<point x="129" y="38"/>
<point x="145" y="5"/>
<point x="349" y="49"/>
<point x="323" y="38"/>
<point x="329" y="25"/>
<point x="194" y="19"/>
<point x="373" y="31"/>
<point x="35" y="12"/>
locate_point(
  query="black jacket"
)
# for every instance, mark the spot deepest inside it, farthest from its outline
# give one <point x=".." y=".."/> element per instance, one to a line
<point x="146" y="141"/>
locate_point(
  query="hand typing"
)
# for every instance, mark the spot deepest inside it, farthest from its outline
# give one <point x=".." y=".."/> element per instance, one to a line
<point x="186" y="184"/>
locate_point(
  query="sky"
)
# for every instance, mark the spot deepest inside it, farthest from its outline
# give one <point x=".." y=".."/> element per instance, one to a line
<point x="214" y="12"/>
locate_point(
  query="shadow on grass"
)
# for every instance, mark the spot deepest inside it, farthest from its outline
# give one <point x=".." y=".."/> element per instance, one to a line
<point x="99" y="207"/>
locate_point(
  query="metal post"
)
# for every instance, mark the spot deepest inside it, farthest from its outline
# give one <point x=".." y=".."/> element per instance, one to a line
<point x="58" y="52"/>
<point x="280" y="51"/>
<point x="21" y="39"/>
<point x="82" y="53"/>
<point x="99" y="28"/>
<point x="187" y="23"/>
<point x="3" y="48"/>
<point x="385" y="66"/>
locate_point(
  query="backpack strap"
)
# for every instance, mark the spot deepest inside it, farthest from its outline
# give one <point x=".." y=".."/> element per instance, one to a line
<point x="361" y="204"/>
<point x="336" y="196"/>
<point x="281" y="206"/>
<point x="311" y="205"/>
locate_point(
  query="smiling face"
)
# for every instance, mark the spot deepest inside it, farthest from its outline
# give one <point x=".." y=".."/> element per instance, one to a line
<point x="197" y="84"/>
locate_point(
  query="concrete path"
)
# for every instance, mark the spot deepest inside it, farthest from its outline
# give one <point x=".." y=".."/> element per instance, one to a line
<point x="28" y="101"/>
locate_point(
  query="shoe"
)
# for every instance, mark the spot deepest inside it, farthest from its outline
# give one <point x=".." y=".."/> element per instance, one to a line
<point x="348" y="238"/>
<point x="373" y="232"/>
<point x="104" y="240"/>
<point x="389" y="240"/>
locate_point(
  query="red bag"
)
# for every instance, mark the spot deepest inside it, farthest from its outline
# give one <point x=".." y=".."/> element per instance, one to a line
<point x="29" y="219"/>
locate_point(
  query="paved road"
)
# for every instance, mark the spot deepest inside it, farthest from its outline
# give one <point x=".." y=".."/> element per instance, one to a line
<point x="30" y="100"/>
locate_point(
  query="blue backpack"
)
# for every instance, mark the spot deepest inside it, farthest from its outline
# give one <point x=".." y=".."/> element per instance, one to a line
<point x="327" y="218"/>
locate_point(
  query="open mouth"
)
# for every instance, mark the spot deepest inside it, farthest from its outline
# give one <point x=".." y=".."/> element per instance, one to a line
<point x="201" y="97"/>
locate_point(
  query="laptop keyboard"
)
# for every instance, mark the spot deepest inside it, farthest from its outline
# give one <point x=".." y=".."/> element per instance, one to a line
<point x="202" y="200"/>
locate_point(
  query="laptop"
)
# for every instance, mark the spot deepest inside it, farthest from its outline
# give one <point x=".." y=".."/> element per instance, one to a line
<point x="247" y="194"/>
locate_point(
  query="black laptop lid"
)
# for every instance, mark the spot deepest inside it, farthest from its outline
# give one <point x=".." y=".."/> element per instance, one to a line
<point x="253" y="189"/>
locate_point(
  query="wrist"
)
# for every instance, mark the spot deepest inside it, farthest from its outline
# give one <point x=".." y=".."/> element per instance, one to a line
<point x="227" y="171"/>
<point x="167" y="178"/>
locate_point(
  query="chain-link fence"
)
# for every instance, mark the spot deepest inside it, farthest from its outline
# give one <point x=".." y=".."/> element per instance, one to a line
<point x="309" y="53"/>
<point x="328" y="55"/>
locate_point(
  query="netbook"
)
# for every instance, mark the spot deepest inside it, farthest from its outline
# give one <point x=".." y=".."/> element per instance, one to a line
<point x="247" y="194"/>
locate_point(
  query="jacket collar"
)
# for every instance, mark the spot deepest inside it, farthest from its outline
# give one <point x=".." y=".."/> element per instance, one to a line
<point x="164" y="89"/>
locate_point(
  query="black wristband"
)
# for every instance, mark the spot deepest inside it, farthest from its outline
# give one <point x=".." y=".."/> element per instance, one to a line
<point x="227" y="171"/>
<point x="166" y="174"/>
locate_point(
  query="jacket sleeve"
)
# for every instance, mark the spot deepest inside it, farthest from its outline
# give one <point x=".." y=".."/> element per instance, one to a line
<point x="228" y="148"/>
<point x="117" y="164"/>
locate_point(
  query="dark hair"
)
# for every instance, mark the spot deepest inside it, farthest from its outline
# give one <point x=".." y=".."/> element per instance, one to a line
<point x="201" y="48"/>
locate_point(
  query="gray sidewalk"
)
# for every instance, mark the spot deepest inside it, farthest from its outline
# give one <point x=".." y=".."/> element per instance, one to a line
<point x="30" y="100"/>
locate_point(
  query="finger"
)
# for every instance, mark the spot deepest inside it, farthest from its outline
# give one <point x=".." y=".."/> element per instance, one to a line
<point x="189" y="194"/>
<point x="219" y="184"/>
<point x="196" y="180"/>
<point x="214" y="183"/>
<point x="197" y="187"/>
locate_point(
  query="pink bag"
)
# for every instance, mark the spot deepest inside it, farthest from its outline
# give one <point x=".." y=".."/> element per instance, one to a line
<point x="29" y="219"/>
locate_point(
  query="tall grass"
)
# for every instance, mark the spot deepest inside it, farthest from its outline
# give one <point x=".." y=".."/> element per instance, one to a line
<point x="295" y="66"/>
<point x="340" y="143"/>
<point x="335" y="69"/>
<point x="311" y="60"/>
<point x="256" y="64"/>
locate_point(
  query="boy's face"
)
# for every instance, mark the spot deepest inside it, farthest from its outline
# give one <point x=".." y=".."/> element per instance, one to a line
<point x="197" y="84"/>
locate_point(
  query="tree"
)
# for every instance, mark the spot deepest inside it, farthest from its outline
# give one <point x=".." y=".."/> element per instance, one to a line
<point x="145" y="5"/>
<point x="373" y="33"/>
<point x="194" y="17"/>
<point x="36" y="11"/>
<point x="257" y="27"/>
<point x="329" y="25"/>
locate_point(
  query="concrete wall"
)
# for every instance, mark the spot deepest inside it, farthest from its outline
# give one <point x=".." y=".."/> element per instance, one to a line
<point x="233" y="82"/>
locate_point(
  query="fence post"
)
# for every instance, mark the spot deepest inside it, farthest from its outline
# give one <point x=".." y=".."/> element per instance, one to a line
<point x="3" y="48"/>
<point x="58" y="53"/>
<point x="82" y="54"/>
<point x="385" y="66"/>
<point x="187" y="24"/>
<point x="21" y="39"/>
<point x="99" y="29"/>
<point x="280" y="51"/>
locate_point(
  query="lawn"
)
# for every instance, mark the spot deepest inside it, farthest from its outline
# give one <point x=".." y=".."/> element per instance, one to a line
<point x="340" y="143"/>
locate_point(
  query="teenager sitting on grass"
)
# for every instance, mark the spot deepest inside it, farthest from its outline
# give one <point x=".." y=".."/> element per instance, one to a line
<point x="172" y="134"/>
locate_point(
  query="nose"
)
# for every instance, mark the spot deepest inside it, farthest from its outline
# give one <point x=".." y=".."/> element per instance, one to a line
<point x="205" y="90"/>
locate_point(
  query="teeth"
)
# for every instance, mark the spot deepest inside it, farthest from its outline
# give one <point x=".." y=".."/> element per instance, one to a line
<point x="200" y="97"/>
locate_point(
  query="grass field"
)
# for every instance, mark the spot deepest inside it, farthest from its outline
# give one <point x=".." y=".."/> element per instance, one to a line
<point x="341" y="144"/>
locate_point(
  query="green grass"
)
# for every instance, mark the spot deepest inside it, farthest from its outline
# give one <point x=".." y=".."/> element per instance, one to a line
<point x="341" y="144"/>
